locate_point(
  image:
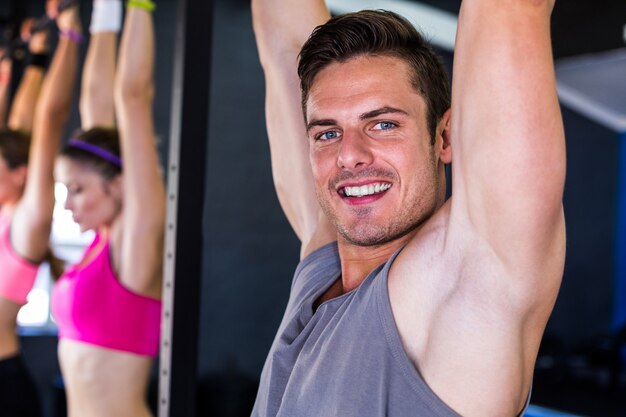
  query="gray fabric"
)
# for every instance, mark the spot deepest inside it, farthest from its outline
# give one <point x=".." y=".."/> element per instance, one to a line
<point x="346" y="359"/>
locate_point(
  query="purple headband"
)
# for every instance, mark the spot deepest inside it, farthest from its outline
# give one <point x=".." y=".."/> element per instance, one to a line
<point x="96" y="150"/>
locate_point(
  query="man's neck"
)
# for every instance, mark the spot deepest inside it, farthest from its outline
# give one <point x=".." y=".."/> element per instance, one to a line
<point x="358" y="261"/>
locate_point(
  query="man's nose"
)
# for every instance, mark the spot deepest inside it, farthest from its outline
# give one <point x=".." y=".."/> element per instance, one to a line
<point x="354" y="150"/>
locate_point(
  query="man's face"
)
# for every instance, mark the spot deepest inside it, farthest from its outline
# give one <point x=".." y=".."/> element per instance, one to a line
<point x="377" y="175"/>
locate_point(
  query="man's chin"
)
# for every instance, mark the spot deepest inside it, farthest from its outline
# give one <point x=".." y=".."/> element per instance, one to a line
<point x="368" y="234"/>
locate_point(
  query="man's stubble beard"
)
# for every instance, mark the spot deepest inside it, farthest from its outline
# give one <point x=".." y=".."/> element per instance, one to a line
<point x="401" y="222"/>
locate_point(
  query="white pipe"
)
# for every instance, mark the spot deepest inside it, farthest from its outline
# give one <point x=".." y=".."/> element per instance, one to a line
<point x="438" y="26"/>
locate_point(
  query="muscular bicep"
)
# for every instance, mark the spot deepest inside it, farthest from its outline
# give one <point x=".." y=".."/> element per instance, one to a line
<point x="507" y="134"/>
<point x="279" y="36"/>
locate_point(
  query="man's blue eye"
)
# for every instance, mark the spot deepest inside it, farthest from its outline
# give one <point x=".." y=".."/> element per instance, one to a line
<point x="386" y="125"/>
<point x="331" y="134"/>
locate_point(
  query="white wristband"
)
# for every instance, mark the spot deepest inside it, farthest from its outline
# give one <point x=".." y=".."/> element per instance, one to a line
<point x="106" y="16"/>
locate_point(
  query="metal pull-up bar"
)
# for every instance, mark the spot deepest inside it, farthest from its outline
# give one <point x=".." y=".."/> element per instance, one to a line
<point x="185" y="194"/>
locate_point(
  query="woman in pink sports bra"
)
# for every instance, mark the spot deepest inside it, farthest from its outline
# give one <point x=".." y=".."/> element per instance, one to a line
<point x="107" y="306"/>
<point x="26" y="206"/>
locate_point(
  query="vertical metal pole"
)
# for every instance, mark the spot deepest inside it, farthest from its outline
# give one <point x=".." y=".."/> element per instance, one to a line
<point x="619" y="308"/>
<point x="183" y="240"/>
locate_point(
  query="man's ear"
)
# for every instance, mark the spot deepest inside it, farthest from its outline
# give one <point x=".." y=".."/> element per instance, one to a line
<point x="443" y="146"/>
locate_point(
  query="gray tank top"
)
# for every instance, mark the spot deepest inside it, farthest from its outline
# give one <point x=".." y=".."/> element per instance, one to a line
<point x="344" y="360"/>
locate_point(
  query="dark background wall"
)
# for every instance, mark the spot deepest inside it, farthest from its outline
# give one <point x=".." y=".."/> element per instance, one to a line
<point x="250" y="252"/>
<point x="584" y="308"/>
<point x="578" y="26"/>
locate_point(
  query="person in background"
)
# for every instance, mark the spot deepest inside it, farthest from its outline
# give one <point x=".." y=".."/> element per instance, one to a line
<point x="27" y="197"/>
<point x="107" y="306"/>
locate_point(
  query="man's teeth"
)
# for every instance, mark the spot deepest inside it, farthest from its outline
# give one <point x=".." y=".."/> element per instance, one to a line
<point x="364" y="190"/>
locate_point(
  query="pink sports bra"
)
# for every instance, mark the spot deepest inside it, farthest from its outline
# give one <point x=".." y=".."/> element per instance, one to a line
<point x="91" y="305"/>
<point x="17" y="275"/>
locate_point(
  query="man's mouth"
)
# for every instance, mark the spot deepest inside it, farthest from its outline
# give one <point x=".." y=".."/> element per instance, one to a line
<point x="364" y="190"/>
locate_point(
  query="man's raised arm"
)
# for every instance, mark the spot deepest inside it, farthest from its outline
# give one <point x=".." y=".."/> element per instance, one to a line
<point x="281" y="28"/>
<point x="508" y="141"/>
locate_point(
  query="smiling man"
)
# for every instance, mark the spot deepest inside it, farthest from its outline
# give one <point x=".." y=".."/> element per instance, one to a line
<point x="405" y="304"/>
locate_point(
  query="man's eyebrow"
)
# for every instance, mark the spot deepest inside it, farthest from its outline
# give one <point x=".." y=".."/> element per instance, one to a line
<point x="368" y="115"/>
<point x="382" y="110"/>
<point x="320" y="122"/>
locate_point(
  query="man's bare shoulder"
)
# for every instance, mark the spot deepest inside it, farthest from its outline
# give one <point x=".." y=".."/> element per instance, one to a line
<point x="453" y="300"/>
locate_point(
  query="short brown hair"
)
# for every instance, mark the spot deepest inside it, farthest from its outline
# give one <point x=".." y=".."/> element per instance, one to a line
<point x="382" y="33"/>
